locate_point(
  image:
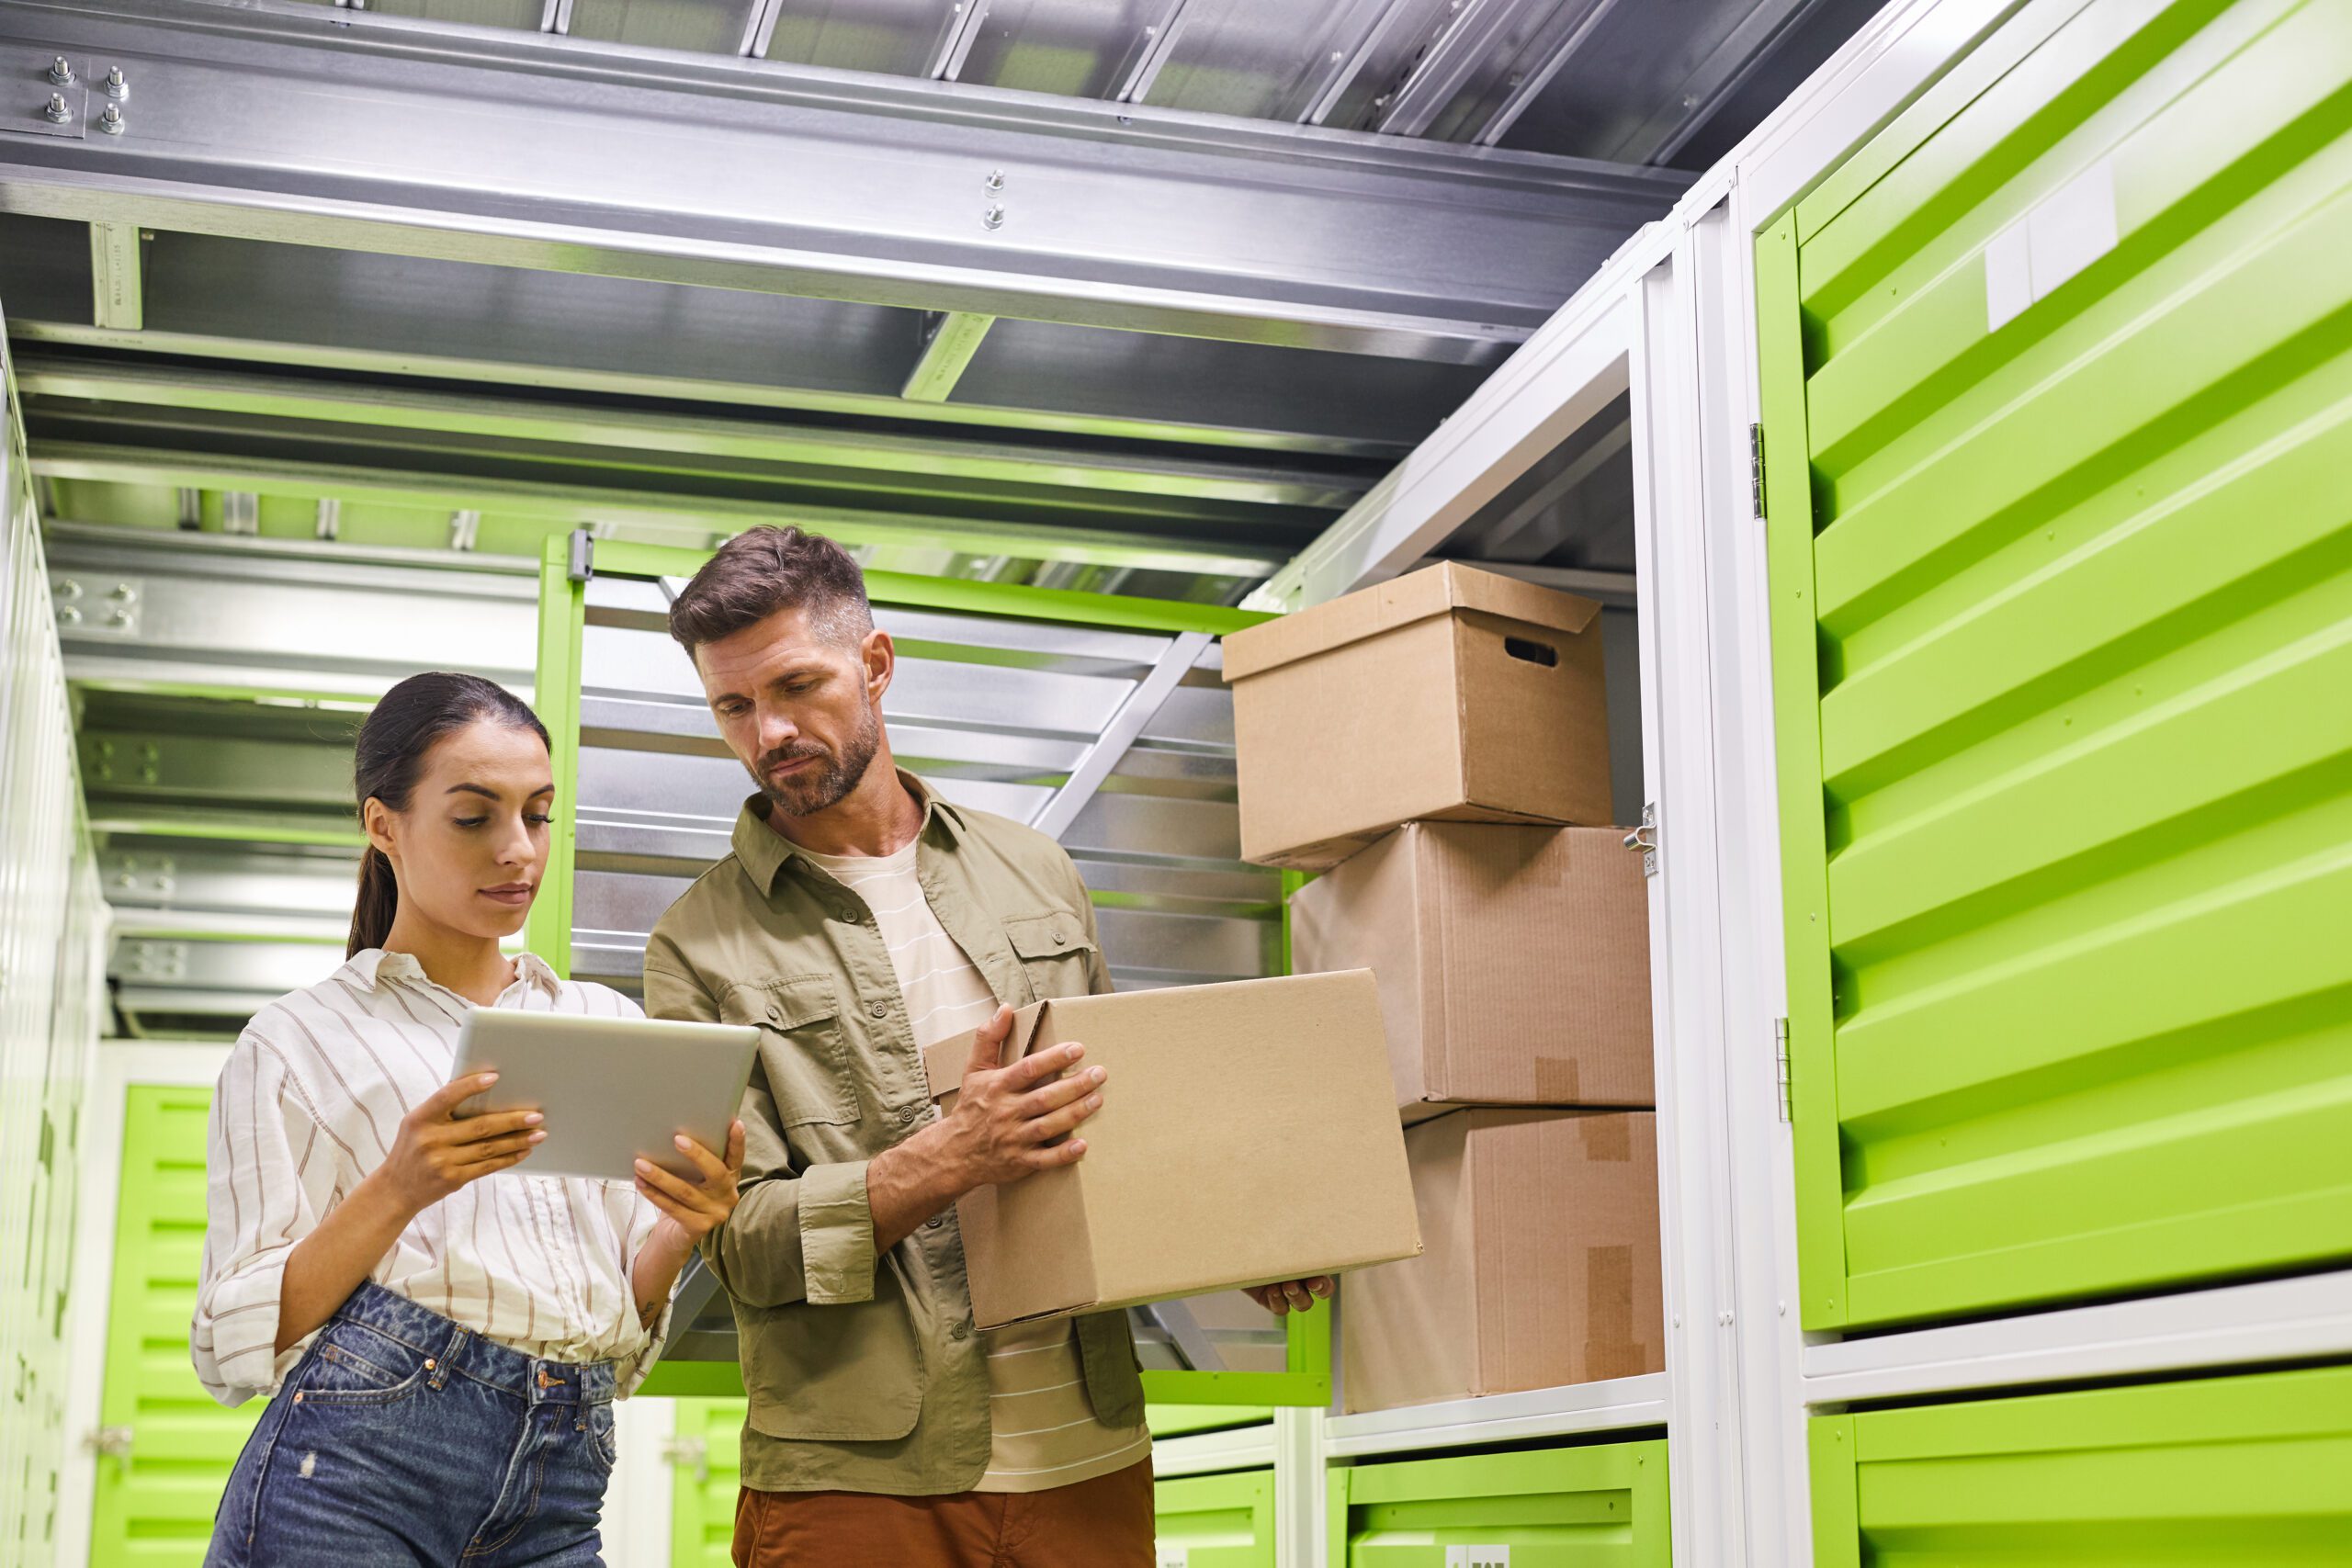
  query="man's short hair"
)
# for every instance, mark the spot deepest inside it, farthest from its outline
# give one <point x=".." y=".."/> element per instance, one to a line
<point x="764" y="569"/>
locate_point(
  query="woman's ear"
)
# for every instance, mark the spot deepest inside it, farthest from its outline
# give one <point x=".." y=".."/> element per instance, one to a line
<point x="381" y="826"/>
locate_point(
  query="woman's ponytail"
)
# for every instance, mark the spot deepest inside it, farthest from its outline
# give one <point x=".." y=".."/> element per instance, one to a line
<point x="379" y="900"/>
<point x="389" y="758"/>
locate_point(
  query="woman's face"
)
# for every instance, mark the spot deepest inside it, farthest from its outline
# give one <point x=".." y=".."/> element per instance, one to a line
<point x="471" y="846"/>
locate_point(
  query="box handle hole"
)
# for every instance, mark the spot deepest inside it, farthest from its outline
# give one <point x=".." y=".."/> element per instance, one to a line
<point x="1534" y="653"/>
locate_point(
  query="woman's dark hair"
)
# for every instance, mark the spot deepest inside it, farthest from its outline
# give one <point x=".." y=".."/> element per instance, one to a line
<point x="411" y="720"/>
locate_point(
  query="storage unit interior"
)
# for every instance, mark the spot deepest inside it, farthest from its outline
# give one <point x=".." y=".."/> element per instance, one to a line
<point x="1124" y="325"/>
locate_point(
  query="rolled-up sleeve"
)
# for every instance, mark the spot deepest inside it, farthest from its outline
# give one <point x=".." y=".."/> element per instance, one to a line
<point x="796" y="1234"/>
<point x="259" y="1171"/>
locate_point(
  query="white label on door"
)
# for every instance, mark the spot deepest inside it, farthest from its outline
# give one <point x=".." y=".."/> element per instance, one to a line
<point x="1175" y="1556"/>
<point x="1477" y="1557"/>
<point x="2072" y="227"/>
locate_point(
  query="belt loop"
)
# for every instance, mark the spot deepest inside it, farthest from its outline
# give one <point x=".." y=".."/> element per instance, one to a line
<point x="442" y="1364"/>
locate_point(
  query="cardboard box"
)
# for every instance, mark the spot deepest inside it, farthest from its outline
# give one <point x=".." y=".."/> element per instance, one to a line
<point x="1542" y="1266"/>
<point x="1245" y="1135"/>
<point x="1450" y="694"/>
<point x="1514" y="963"/>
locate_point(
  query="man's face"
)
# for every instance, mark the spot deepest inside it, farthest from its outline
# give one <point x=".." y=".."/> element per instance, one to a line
<point x="801" y="713"/>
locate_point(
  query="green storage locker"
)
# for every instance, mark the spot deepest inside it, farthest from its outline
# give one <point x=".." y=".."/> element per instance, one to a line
<point x="708" y="1451"/>
<point x="1583" y="1507"/>
<point x="158" y="1488"/>
<point x="2057" y="412"/>
<point x="1181" y="1420"/>
<point x="1215" y="1521"/>
<point x="2245" y="1471"/>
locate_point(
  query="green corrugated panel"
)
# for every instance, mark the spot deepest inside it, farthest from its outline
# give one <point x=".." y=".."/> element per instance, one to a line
<point x="1215" y="1521"/>
<point x="156" y="1505"/>
<point x="2248" y="1471"/>
<point x="2062" y="647"/>
<point x="1582" y="1507"/>
<point x="1175" y="1420"/>
<point x="709" y="1459"/>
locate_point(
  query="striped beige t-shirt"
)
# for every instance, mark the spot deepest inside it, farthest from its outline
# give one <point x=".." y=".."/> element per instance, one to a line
<point x="1044" y="1433"/>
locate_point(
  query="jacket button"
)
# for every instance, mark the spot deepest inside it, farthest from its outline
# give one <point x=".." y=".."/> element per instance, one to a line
<point x="961" y="1331"/>
<point x="933" y="1223"/>
<point x="906" y="1114"/>
<point x="879" y="1010"/>
<point x="1059" y="939"/>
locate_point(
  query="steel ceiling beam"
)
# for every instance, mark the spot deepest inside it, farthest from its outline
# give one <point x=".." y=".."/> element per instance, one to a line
<point x="1209" y="476"/>
<point x="661" y="519"/>
<point x="536" y="151"/>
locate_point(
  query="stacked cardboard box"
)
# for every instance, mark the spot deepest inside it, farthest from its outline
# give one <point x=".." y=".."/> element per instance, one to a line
<point x="1438" y="748"/>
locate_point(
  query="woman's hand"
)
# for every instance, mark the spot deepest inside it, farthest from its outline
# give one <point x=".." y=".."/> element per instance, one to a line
<point x="439" y="1151"/>
<point x="699" y="1207"/>
<point x="1292" y="1296"/>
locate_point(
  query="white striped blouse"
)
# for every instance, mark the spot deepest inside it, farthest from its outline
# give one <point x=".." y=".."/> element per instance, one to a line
<point x="311" y="1101"/>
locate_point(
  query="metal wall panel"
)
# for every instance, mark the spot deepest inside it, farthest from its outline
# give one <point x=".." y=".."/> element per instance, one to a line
<point x="1604" y="1505"/>
<point x="2058" y="407"/>
<point x="52" y="936"/>
<point x="2247" y="1470"/>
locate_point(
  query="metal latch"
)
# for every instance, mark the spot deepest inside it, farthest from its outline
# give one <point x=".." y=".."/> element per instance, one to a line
<point x="580" y="562"/>
<point x="1756" y="470"/>
<point x="1645" y="839"/>
<point x="1781" y="1065"/>
<point x="685" y="1452"/>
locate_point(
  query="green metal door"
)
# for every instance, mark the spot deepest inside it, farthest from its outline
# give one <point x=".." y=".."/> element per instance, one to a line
<point x="1583" y="1507"/>
<point x="2057" y="412"/>
<point x="708" y="1452"/>
<point x="2247" y="1471"/>
<point x="1215" y="1521"/>
<point x="170" y="1448"/>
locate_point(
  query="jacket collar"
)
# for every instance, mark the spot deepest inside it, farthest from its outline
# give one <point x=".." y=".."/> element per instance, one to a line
<point x="764" y="852"/>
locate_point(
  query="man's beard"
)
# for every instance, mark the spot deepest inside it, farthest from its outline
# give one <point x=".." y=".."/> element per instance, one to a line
<point x="826" y="782"/>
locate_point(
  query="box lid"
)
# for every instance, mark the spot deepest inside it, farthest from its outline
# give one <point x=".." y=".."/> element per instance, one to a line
<point x="1384" y="606"/>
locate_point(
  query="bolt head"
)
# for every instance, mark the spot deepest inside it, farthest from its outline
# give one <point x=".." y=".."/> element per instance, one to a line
<point x="61" y="71"/>
<point x="994" y="217"/>
<point x="57" y="111"/>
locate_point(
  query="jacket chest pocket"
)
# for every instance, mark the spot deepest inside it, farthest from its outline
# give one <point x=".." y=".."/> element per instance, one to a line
<point x="803" y="1047"/>
<point x="1054" y="951"/>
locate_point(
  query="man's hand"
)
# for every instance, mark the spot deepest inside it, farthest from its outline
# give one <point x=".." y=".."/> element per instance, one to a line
<point x="1292" y="1296"/>
<point x="1009" y="1122"/>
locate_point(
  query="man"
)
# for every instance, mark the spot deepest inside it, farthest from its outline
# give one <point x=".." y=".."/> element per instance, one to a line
<point x="860" y="917"/>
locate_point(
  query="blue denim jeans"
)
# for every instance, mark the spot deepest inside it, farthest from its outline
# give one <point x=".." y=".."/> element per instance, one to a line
<point x="402" y="1438"/>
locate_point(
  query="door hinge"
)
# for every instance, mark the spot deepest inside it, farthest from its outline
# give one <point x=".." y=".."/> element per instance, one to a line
<point x="1645" y="839"/>
<point x="1781" y="1065"/>
<point x="1756" y="470"/>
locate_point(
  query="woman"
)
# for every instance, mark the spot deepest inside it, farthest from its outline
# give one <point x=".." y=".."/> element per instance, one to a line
<point x="443" y="1347"/>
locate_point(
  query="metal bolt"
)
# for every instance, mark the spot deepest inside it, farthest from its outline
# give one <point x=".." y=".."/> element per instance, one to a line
<point x="69" y="588"/>
<point x="117" y="84"/>
<point x="57" y="111"/>
<point x="124" y="594"/>
<point x="995" y="182"/>
<point x="69" y="617"/>
<point x="111" y="120"/>
<point x="62" y="71"/>
<point x="119" y="619"/>
<point x="994" y="217"/>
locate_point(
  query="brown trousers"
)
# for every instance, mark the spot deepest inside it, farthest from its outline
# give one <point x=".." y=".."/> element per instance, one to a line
<point x="1102" y="1523"/>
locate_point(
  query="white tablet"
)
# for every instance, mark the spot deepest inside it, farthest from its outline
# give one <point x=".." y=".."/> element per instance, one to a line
<point x="612" y="1088"/>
